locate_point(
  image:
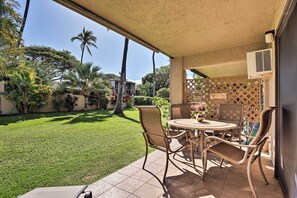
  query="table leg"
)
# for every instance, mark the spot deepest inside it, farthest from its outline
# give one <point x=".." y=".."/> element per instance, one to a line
<point x="202" y="146"/>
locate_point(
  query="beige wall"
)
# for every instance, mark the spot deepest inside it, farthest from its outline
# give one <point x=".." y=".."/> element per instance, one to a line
<point x="7" y="107"/>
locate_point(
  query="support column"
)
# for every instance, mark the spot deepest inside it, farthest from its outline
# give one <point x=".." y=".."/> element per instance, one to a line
<point x="177" y="80"/>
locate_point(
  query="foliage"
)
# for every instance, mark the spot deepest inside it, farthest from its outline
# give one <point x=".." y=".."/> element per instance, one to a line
<point x="86" y="78"/>
<point x="164" y="105"/>
<point x="164" y="93"/>
<point x="70" y="102"/>
<point x="50" y="64"/>
<point x="25" y="93"/>
<point x="59" y="99"/>
<point x="143" y="100"/>
<point x="103" y="101"/>
<point x="145" y="89"/>
<point x="62" y="149"/>
<point x="112" y="76"/>
<point x="162" y="77"/>
<point x="130" y="103"/>
<point x="148" y="78"/>
<point x="162" y="81"/>
<point x="87" y="40"/>
<point x="9" y="31"/>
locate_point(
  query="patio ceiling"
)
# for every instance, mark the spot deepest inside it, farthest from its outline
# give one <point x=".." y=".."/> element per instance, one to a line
<point x="182" y="28"/>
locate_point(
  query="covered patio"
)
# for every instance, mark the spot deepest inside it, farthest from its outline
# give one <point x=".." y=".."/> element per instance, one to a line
<point x="226" y="182"/>
<point x="212" y="39"/>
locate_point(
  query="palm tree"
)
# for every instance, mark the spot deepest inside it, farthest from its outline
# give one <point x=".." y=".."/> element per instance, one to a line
<point x="86" y="78"/>
<point x="87" y="40"/>
<point x="118" y="110"/>
<point x="23" y="22"/>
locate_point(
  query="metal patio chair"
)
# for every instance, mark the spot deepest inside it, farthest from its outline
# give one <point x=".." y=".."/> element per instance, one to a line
<point x="178" y="111"/>
<point x="233" y="153"/>
<point x="155" y="135"/>
<point x="231" y="113"/>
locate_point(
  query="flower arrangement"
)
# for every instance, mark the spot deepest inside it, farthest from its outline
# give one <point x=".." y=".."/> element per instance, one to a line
<point x="198" y="110"/>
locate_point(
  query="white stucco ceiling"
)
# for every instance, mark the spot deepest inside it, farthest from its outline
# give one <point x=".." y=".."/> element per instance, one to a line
<point x="187" y="27"/>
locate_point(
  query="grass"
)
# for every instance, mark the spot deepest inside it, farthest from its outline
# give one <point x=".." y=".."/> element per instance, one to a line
<point x="57" y="149"/>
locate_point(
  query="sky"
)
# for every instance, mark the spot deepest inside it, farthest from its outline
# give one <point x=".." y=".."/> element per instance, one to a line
<point x="50" y="24"/>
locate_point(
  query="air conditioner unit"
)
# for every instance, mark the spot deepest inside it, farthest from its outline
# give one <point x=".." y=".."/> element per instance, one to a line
<point x="259" y="63"/>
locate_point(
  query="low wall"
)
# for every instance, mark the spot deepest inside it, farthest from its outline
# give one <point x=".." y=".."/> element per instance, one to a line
<point x="7" y="107"/>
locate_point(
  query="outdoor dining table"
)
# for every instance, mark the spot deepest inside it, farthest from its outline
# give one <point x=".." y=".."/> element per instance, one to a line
<point x="193" y="125"/>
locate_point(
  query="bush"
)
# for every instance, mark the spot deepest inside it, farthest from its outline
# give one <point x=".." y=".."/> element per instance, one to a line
<point x="70" y="102"/>
<point x="130" y="102"/>
<point x="164" y="105"/>
<point x="103" y="101"/>
<point x="164" y="93"/>
<point x="143" y="100"/>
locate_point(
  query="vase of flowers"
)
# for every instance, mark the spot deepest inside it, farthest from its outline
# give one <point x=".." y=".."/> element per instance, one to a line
<point x="200" y="111"/>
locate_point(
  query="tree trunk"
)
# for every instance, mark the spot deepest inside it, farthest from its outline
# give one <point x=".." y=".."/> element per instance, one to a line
<point x="82" y="54"/>
<point x="154" y="75"/>
<point x="118" y="110"/>
<point x="23" y="23"/>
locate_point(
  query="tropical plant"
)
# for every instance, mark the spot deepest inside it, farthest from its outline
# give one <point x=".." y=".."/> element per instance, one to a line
<point x="23" y="23"/>
<point x="86" y="78"/>
<point x="118" y="109"/>
<point x="9" y="29"/>
<point x="25" y="93"/>
<point x="87" y="40"/>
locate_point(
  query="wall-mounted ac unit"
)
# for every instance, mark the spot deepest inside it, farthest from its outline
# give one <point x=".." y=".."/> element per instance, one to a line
<point x="259" y="63"/>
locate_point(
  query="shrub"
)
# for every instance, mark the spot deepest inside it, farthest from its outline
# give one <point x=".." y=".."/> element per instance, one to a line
<point x="103" y="101"/>
<point x="143" y="100"/>
<point x="164" y="93"/>
<point x="23" y="90"/>
<point x="93" y="99"/>
<point x="164" y="105"/>
<point x="130" y="103"/>
<point x="70" y="102"/>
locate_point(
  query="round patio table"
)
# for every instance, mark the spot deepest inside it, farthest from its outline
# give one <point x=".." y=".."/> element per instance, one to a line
<point x="193" y="124"/>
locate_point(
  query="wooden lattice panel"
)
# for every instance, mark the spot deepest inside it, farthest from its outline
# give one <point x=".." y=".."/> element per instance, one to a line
<point x="216" y="91"/>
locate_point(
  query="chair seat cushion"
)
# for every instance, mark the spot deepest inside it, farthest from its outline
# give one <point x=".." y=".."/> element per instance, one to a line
<point x="227" y="152"/>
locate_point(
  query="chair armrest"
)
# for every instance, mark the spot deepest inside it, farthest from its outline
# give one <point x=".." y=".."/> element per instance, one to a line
<point x="151" y="134"/>
<point x="177" y="136"/>
<point x="227" y="142"/>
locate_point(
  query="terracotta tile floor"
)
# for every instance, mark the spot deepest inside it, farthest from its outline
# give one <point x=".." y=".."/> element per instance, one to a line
<point x="228" y="181"/>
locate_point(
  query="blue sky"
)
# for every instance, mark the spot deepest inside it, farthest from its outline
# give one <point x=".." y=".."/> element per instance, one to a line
<point x="53" y="25"/>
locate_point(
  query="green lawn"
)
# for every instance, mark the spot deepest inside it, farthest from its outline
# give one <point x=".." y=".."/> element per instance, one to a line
<point x="58" y="149"/>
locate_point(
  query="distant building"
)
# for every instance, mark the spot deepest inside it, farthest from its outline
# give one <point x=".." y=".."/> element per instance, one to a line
<point x="129" y="87"/>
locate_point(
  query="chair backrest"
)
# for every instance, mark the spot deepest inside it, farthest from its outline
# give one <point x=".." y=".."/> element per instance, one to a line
<point x="265" y="122"/>
<point x="231" y="113"/>
<point x="150" y="119"/>
<point x="178" y="111"/>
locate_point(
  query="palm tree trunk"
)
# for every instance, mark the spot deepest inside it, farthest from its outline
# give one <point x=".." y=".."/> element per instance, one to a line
<point x="154" y="74"/>
<point x="82" y="54"/>
<point x="23" y="22"/>
<point x="118" y="110"/>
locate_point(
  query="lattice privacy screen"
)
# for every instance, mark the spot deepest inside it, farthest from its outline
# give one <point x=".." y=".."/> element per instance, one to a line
<point x="216" y="91"/>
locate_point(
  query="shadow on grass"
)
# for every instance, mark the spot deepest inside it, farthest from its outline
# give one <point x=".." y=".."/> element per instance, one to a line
<point x="89" y="117"/>
<point x="130" y="119"/>
<point x="59" y="116"/>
